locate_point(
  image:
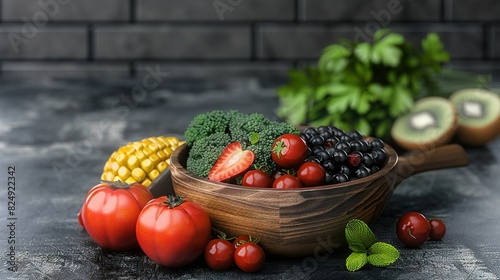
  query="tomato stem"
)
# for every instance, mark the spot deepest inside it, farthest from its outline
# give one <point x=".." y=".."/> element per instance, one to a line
<point x="173" y="201"/>
<point x="118" y="184"/>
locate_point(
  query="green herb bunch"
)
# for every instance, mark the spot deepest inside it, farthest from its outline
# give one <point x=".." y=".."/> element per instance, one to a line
<point x="362" y="85"/>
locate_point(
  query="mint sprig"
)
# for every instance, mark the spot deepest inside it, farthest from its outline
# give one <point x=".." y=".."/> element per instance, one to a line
<point x="366" y="249"/>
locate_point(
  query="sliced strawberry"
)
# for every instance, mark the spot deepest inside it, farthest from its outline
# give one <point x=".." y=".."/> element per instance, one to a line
<point x="232" y="162"/>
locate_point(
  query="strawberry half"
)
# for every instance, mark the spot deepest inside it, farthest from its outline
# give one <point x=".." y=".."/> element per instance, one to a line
<point x="232" y="162"/>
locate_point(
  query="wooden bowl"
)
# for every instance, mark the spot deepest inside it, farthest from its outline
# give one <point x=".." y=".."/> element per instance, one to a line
<point x="301" y="222"/>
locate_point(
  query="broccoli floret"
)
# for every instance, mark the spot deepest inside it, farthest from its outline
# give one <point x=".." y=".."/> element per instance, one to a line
<point x="209" y="133"/>
<point x="206" y="124"/>
<point x="205" y="152"/>
<point x="262" y="148"/>
<point x="257" y="133"/>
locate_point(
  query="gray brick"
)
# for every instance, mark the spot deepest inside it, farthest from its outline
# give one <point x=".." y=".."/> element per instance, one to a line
<point x="206" y="10"/>
<point x="297" y="41"/>
<point x="218" y="70"/>
<point x="496" y="42"/>
<point x="383" y="11"/>
<point x="307" y="41"/>
<point x="84" y="70"/>
<point x="461" y="41"/>
<point x="482" y="67"/>
<point x="67" y="10"/>
<point x="477" y="10"/>
<point x="167" y="42"/>
<point x="25" y="42"/>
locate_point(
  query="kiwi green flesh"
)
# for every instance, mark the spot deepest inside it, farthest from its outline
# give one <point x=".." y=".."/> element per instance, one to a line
<point x="426" y="123"/>
<point x="476" y="108"/>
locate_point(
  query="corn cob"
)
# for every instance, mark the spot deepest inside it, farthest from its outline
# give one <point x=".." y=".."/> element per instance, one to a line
<point x="142" y="161"/>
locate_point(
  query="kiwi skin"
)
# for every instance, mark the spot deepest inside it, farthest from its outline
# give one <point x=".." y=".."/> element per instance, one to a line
<point x="476" y="135"/>
<point x="445" y="138"/>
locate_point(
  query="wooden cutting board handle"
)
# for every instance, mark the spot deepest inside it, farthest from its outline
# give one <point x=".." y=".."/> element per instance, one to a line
<point x="448" y="156"/>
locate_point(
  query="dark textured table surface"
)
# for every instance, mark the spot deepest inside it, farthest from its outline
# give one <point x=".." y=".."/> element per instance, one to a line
<point x="57" y="136"/>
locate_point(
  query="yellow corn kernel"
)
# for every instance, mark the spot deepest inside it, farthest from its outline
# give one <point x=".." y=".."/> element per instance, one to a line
<point x="123" y="173"/>
<point x="147" y="151"/>
<point x="140" y="155"/>
<point x="154" y="159"/>
<point x="130" y="180"/>
<point x="138" y="174"/>
<point x="158" y="142"/>
<point x="153" y="174"/>
<point x="108" y="176"/>
<point x="146" y="182"/>
<point x="162" y="166"/>
<point x="133" y="162"/>
<point x="147" y="165"/>
<point x="121" y="159"/>
<point x="114" y="167"/>
<point x="168" y="151"/>
<point x="162" y="155"/>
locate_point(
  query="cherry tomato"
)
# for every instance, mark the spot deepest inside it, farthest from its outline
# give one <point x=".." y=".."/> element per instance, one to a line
<point x="219" y="254"/>
<point x="438" y="229"/>
<point x="287" y="181"/>
<point x="249" y="257"/>
<point x="311" y="174"/>
<point x="240" y="240"/>
<point x="110" y="212"/>
<point x="413" y="229"/>
<point x="257" y="178"/>
<point x="289" y="150"/>
<point x="173" y="232"/>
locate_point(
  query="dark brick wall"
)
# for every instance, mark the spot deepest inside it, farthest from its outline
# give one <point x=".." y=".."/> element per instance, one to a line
<point x="119" y="38"/>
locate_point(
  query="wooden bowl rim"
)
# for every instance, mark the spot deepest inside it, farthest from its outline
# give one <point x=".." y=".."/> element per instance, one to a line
<point x="389" y="166"/>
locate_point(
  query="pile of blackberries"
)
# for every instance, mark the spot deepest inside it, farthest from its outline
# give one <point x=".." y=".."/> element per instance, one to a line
<point x="344" y="155"/>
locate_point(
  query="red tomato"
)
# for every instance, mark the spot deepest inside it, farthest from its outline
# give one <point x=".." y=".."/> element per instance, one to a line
<point x="287" y="181"/>
<point x="173" y="232"/>
<point x="219" y="254"/>
<point x="438" y="229"/>
<point x="110" y="212"/>
<point x="311" y="174"/>
<point x="249" y="257"/>
<point x="413" y="229"/>
<point x="289" y="150"/>
<point x="257" y="178"/>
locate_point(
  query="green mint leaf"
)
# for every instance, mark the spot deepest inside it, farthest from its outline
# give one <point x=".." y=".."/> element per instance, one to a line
<point x="254" y="138"/>
<point x="382" y="254"/>
<point x="359" y="236"/>
<point x="356" y="261"/>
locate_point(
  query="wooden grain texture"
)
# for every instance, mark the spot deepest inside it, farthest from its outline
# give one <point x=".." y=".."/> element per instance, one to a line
<point x="287" y="222"/>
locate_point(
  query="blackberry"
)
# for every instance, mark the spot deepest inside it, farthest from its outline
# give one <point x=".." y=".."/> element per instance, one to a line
<point x="339" y="156"/>
<point x="343" y="145"/>
<point x="355" y="134"/>
<point x="362" y="172"/>
<point x="379" y="156"/>
<point x="345" y="156"/>
<point x="368" y="160"/>
<point x="317" y="140"/>
<point x="377" y="143"/>
<point x="340" y="178"/>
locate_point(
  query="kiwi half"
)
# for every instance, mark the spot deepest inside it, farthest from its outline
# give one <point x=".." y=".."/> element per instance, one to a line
<point x="432" y="122"/>
<point x="478" y="115"/>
